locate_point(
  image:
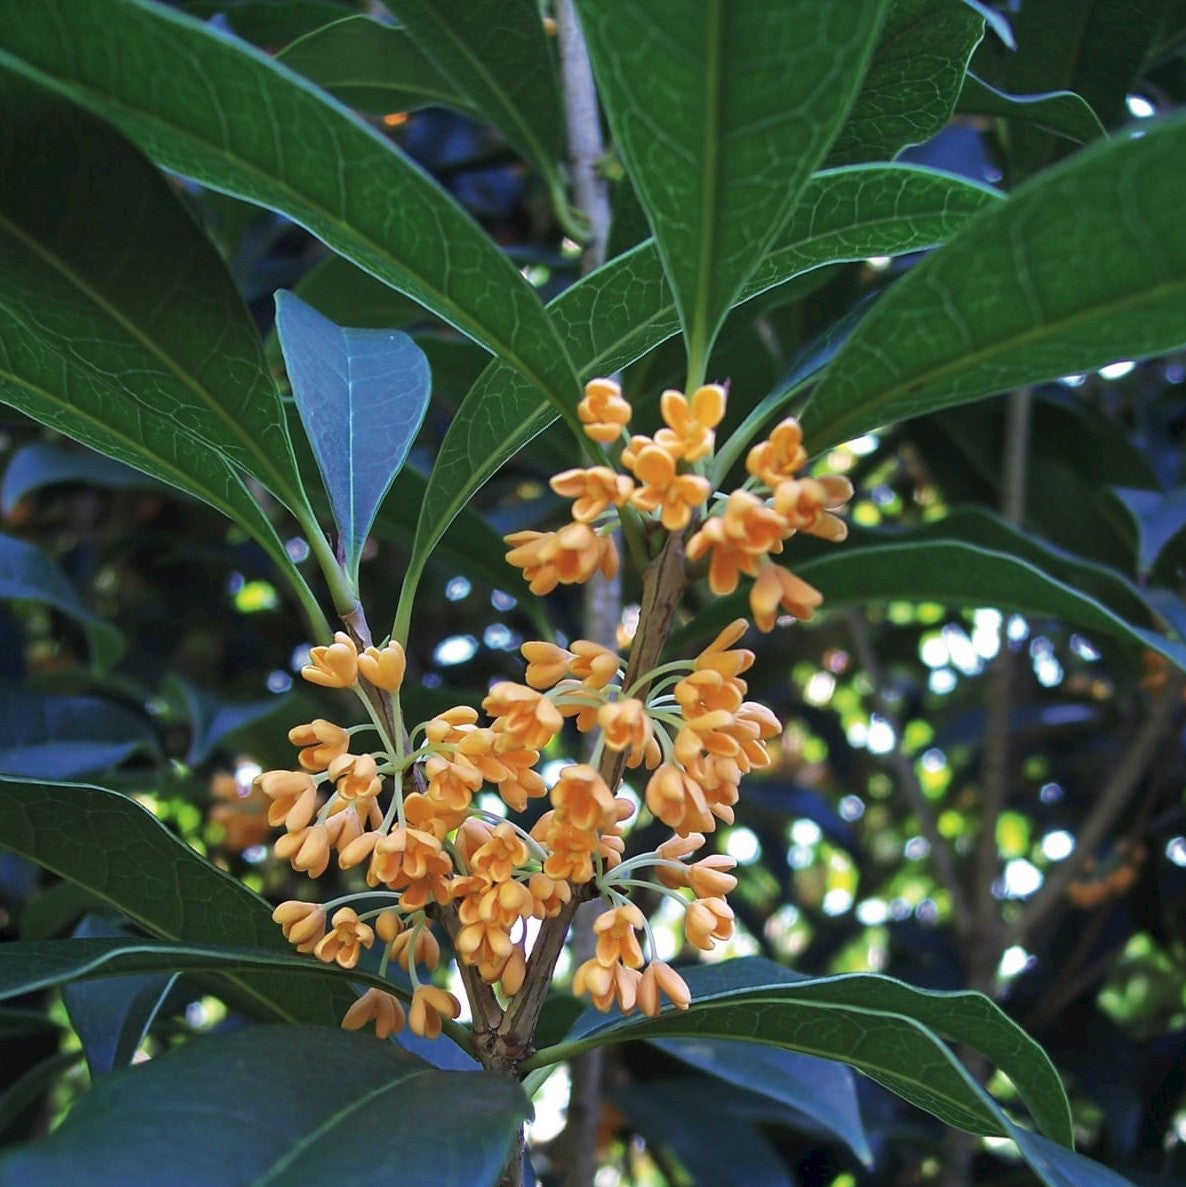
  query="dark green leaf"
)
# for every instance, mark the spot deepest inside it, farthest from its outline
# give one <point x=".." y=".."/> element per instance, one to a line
<point x="83" y="310"/>
<point x="624" y="309"/>
<point x="958" y="574"/>
<point x="60" y="737"/>
<point x="112" y="1016"/>
<point x="819" y="1089"/>
<point x="33" y="1085"/>
<point x="235" y="120"/>
<point x="27" y="573"/>
<point x="1059" y="1167"/>
<point x="346" y="294"/>
<point x="660" y="1109"/>
<point x="29" y="967"/>
<point x="361" y="395"/>
<point x="277" y="1104"/>
<point x="47" y="463"/>
<point x="371" y="67"/>
<point x="160" y="884"/>
<point x="721" y="114"/>
<point x="266" y="23"/>
<point x="913" y="80"/>
<point x="1062" y="112"/>
<point x="212" y="719"/>
<point x="880" y="1026"/>
<point x="1159" y="517"/>
<point x="514" y="89"/>
<point x="1084" y="265"/>
<point x="995" y="20"/>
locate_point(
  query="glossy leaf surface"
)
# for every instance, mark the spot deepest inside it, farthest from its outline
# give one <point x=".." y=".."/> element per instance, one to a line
<point x="624" y="309"/>
<point x="913" y="80"/>
<point x="160" y="884"/>
<point x="313" y="1096"/>
<point x="361" y="395"/>
<point x="880" y="1026"/>
<point x="228" y="116"/>
<point x="514" y="89"/>
<point x="1062" y="112"/>
<point x="371" y="67"/>
<point x="721" y="115"/>
<point x="1080" y="267"/>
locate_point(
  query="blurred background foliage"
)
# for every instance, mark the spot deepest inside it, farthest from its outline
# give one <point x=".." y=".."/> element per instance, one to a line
<point x="864" y="847"/>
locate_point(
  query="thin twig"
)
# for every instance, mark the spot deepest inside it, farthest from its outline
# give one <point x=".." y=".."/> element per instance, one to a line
<point x="908" y="781"/>
<point x="983" y="950"/>
<point x="1111" y="802"/>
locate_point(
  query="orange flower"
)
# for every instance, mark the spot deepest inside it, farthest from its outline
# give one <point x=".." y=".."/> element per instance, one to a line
<point x="689" y="434"/>
<point x="777" y="588"/>
<point x="777" y="459"/>
<point x="678" y="495"/>
<point x="594" y="665"/>
<point x="738" y="539"/>
<point x="417" y="945"/>
<point x="452" y="781"/>
<point x="413" y="862"/>
<point x="582" y="799"/>
<point x="375" y="1006"/>
<point x="607" y="984"/>
<point x="657" y="977"/>
<point x="293" y="795"/>
<point x="594" y="490"/>
<point x="807" y="504"/>
<point x="549" y="895"/>
<point x="617" y="938"/>
<point x="678" y="800"/>
<point x="572" y="848"/>
<point x="356" y="776"/>
<point x="546" y="663"/>
<point x="523" y="714"/>
<point x="429" y="1006"/>
<point x="241" y="811"/>
<point x="708" y="919"/>
<point x="626" y="726"/>
<point x="306" y="849"/>
<point x="322" y="741"/>
<point x="384" y="669"/>
<point x="721" y="656"/>
<point x="569" y="556"/>
<point x="335" y="666"/>
<point x="303" y="924"/>
<point x="603" y="411"/>
<point x="501" y="855"/>
<point x="343" y="942"/>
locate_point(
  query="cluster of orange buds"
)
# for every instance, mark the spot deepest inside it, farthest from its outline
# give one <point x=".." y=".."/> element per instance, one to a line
<point x="1103" y="881"/>
<point x="416" y="814"/>
<point x="241" y="810"/>
<point x="664" y="480"/>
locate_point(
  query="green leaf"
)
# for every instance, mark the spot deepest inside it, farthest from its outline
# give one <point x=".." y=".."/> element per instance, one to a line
<point x="32" y="966"/>
<point x="39" y="464"/>
<point x="515" y="88"/>
<point x="721" y="114"/>
<point x="112" y="1016"/>
<point x="880" y="1026"/>
<point x="33" y="1085"/>
<point x="292" y="1105"/>
<point x="1059" y="1167"/>
<point x="371" y="67"/>
<point x="95" y="346"/>
<point x="913" y="80"/>
<point x="819" y="1089"/>
<point x="26" y="572"/>
<point x="266" y="23"/>
<point x="362" y="396"/>
<point x="624" y="309"/>
<point x="1159" y="516"/>
<point x="228" y="116"/>
<point x="1083" y="265"/>
<point x="958" y="574"/>
<point x="160" y="884"/>
<point x="62" y="737"/>
<point x="211" y="718"/>
<point x="1062" y="112"/>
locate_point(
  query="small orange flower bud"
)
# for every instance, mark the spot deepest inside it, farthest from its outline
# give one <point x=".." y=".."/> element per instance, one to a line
<point x="303" y="924"/>
<point x="375" y="1006"/>
<point x="355" y="776"/>
<point x="322" y="741"/>
<point x="657" y="977"/>
<point x="429" y="1006"/>
<point x="777" y="588"/>
<point x="293" y="795"/>
<point x="546" y="663"/>
<point x="603" y="411"/>
<point x="342" y="944"/>
<point x="335" y="666"/>
<point x="384" y="669"/>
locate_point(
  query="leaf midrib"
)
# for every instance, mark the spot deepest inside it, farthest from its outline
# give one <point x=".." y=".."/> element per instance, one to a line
<point x="836" y="431"/>
<point x="345" y="229"/>
<point x="204" y="395"/>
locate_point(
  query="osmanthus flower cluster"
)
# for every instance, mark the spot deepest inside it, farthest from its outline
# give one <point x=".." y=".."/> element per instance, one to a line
<point x="411" y="810"/>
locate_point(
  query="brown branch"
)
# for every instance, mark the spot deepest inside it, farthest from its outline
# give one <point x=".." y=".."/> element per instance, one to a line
<point x="1111" y="802"/>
